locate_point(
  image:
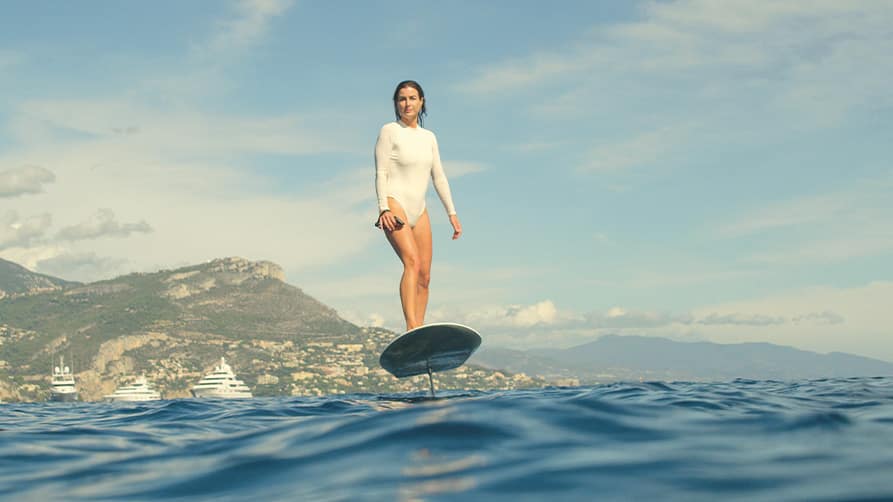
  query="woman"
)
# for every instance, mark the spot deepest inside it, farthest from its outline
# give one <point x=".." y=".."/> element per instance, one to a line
<point x="405" y="156"/>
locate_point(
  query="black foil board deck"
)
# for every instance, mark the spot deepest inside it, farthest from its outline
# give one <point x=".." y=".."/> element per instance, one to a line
<point x="429" y="349"/>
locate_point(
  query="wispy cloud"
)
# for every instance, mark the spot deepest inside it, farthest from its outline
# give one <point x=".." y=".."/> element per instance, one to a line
<point x="544" y="323"/>
<point x="125" y="124"/>
<point x="543" y="312"/>
<point x="642" y="149"/>
<point x="802" y="58"/>
<point x="862" y="201"/>
<point x="22" y="232"/>
<point x="79" y="266"/>
<point x="182" y="169"/>
<point x="842" y="246"/>
<point x="245" y="27"/>
<point x="620" y="318"/>
<point x="849" y="319"/>
<point x="181" y="189"/>
<point x="850" y="222"/>
<point x="204" y="71"/>
<point x="742" y="319"/>
<point x="102" y="224"/>
<point x="457" y="168"/>
<point x="24" y="180"/>
<point x="538" y="146"/>
<point x="623" y="318"/>
<point x="521" y="73"/>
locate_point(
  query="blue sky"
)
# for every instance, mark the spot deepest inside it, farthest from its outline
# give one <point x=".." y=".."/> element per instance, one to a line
<point x="692" y="169"/>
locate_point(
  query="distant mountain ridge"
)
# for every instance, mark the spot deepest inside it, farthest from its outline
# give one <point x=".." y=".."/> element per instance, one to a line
<point x="17" y="280"/>
<point x="615" y="357"/>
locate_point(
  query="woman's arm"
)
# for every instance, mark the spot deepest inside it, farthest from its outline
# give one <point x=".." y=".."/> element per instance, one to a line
<point x="382" y="165"/>
<point x="443" y="191"/>
<point x="440" y="181"/>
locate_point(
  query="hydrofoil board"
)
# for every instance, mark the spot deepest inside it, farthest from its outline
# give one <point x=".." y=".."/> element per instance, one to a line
<point x="429" y="349"/>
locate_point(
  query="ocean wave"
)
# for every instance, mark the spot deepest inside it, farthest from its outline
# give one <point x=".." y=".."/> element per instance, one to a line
<point x="824" y="439"/>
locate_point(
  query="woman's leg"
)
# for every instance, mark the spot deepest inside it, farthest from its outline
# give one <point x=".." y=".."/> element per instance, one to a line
<point x="422" y="236"/>
<point x="404" y="245"/>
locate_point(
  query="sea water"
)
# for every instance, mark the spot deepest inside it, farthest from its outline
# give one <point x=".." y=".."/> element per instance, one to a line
<point x="741" y="440"/>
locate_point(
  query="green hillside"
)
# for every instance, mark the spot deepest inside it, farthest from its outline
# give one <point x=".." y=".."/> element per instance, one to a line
<point x="16" y="280"/>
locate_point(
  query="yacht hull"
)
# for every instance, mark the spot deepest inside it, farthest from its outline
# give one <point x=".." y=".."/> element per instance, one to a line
<point x="67" y="397"/>
<point x="215" y="394"/>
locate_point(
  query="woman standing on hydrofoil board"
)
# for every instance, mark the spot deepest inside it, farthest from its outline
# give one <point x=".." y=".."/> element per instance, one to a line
<point x="406" y="154"/>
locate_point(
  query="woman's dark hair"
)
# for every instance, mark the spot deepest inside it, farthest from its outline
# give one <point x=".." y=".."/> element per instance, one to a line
<point x="415" y="85"/>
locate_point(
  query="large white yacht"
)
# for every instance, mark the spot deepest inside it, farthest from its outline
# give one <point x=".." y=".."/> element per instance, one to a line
<point x="62" y="387"/>
<point x="139" y="390"/>
<point x="221" y="383"/>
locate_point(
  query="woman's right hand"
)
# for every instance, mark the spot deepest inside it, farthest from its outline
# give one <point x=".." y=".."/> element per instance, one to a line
<point x="387" y="221"/>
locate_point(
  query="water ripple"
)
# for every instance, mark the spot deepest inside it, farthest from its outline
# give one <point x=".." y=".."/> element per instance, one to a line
<point x="828" y="439"/>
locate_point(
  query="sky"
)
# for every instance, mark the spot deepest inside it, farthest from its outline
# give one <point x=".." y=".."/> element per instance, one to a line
<point x="691" y="169"/>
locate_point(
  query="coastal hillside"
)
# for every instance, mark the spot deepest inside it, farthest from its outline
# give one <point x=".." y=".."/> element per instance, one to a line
<point x="173" y="325"/>
<point x="17" y="280"/>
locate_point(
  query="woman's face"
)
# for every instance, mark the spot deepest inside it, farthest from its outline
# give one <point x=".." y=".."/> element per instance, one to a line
<point x="409" y="104"/>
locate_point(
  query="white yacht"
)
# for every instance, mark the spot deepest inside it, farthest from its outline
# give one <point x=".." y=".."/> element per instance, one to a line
<point x="221" y="383"/>
<point x="139" y="390"/>
<point x="62" y="386"/>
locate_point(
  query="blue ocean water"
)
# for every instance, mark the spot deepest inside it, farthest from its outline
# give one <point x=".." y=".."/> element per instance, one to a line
<point x="741" y="440"/>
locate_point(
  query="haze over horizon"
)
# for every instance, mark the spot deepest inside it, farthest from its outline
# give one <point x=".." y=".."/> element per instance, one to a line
<point x="684" y="169"/>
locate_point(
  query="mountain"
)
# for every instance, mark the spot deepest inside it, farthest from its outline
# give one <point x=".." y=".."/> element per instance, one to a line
<point x="173" y="325"/>
<point x="17" y="280"/>
<point x="614" y="357"/>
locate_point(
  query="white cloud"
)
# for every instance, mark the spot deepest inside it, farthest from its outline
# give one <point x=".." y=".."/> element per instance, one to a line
<point x="618" y="318"/>
<point x="455" y="169"/>
<point x="644" y="148"/>
<point x="683" y="274"/>
<point x="742" y="319"/>
<point x="153" y="154"/>
<point x="524" y="316"/>
<point x="248" y="24"/>
<point x="522" y="72"/>
<point x="200" y="212"/>
<point x="181" y="170"/>
<point x="852" y="319"/>
<point x="17" y="232"/>
<point x="823" y="319"/>
<point x="861" y="202"/>
<point x="700" y="33"/>
<point x="180" y="132"/>
<point x="818" y="60"/>
<point x="101" y="224"/>
<point x="852" y="222"/>
<point x="79" y="266"/>
<point x="621" y="318"/>
<point x="837" y="247"/>
<point x="204" y="71"/>
<point x="539" y="146"/>
<point x="24" y="180"/>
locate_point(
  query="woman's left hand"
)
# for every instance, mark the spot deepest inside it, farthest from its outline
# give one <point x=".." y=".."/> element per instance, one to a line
<point x="457" y="227"/>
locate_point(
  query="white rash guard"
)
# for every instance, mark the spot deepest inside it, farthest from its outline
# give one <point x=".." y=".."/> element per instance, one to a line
<point x="404" y="158"/>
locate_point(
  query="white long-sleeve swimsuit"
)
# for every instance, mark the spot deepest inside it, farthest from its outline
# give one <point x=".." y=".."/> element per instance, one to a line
<point x="404" y="159"/>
